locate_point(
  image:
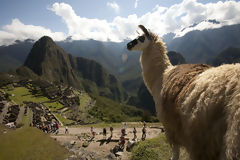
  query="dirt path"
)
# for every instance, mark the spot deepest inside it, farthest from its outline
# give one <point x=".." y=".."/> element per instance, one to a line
<point x="4" y="112"/>
<point x="99" y="146"/>
<point x="20" y="114"/>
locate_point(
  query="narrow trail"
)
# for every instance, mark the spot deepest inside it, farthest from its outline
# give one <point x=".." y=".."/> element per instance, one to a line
<point x="20" y="114"/>
<point x="99" y="144"/>
<point x="4" y="111"/>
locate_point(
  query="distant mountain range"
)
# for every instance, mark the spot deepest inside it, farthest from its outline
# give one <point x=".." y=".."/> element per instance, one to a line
<point x="202" y="46"/>
<point x="195" y="47"/>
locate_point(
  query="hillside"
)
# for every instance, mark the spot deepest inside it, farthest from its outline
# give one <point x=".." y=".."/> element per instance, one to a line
<point x="14" y="55"/>
<point x="29" y="143"/>
<point x="228" y="56"/>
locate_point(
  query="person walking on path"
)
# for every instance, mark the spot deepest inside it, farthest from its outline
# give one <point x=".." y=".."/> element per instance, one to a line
<point x="124" y="129"/>
<point x="111" y="130"/>
<point x="57" y="128"/>
<point x="104" y="133"/>
<point x="134" y="133"/>
<point x="66" y="130"/>
<point x="92" y="131"/>
<point x="144" y="133"/>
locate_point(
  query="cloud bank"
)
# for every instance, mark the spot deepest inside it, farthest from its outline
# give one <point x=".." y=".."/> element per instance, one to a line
<point x="160" y="20"/>
<point x="19" y="31"/>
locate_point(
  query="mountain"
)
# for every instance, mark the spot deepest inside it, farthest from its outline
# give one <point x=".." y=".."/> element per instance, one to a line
<point x="228" y="56"/>
<point x="14" y="55"/>
<point x="201" y="46"/>
<point x="112" y="55"/>
<point x="50" y="62"/>
<point x="176" y="58"/>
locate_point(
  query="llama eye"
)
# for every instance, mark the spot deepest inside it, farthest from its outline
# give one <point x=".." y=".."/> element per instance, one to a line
<point x="141" y="39"/>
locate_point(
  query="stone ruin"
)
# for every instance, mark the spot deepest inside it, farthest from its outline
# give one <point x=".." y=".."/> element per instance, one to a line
<point x="2" y="104"/>
<point x="41" y="114"/>
<point x="3" y="96"/>
<point x="12" y="114"/>
<point x="69" y="98"/>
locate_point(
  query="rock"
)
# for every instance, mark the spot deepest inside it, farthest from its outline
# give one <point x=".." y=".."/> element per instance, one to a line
<point x="111" y="156"/>
<point x="73" y="142"/>
<point x="119" y="153"/>
<point x="130" y="145"/>
<point x="85" y="144"/>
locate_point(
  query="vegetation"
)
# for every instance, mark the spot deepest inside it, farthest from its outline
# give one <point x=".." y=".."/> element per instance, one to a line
<point x="156" y="148"/>
<point x="29" y="143"/>
<point x="108" y="110"/>
<point x="228" y="56"/>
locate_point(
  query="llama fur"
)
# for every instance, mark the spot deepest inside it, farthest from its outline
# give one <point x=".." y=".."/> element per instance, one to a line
<point x="199" y="105"/>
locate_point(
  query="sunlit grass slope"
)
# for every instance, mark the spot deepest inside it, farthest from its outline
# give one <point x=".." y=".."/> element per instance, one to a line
<point x="29" y="144"/>
<point x="155" y="149"/>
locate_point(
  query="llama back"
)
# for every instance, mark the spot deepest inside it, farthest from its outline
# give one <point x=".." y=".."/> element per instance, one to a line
<point x="199" y="104"/>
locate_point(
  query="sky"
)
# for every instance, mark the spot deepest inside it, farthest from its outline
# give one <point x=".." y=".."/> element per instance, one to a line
<point x="109" y="20"/>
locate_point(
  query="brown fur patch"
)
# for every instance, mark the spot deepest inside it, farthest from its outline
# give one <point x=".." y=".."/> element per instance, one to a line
<point x="179" y="80"/>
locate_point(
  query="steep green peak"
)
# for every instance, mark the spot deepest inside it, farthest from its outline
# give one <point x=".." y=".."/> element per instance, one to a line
<point x="45" y="41"/>
<point x="44" y="55"/>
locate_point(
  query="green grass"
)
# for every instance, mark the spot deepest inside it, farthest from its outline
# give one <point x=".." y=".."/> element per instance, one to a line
<point x="29" y="143"/>
<point x="152" y="149"/>
<point x="24" y="120"/>
<point x="21" y="94"/>
<point x="84" y="100"/>
<point x="108" y="111"/>
<point x="63" y="120"/>
<point x="155" y="149"/>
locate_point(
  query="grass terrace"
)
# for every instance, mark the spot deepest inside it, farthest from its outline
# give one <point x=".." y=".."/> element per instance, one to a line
<point x="29" y="143"/>
<point x="21" y="94"/>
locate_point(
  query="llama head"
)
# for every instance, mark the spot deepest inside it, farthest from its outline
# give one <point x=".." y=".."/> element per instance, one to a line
<point x="141" y="42"/>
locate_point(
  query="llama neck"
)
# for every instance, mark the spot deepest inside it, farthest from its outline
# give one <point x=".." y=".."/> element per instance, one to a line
<point x="154" y="61"/>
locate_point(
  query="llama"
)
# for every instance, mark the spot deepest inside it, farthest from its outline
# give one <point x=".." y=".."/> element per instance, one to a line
<point x="199" y="105"/>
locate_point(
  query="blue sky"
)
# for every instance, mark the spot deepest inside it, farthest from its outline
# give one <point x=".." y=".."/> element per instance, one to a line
<point x="108" y="20"/>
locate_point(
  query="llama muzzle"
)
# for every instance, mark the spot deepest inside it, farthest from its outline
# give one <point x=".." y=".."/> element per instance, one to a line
<point x="131" y="44"/>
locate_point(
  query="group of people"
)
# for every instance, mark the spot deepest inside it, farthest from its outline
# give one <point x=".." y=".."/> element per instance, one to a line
<point x="123" y="134"/>
<point x="49" y="128"/>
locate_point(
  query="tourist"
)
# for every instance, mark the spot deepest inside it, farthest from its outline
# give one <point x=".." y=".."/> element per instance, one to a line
<point x="144" y="132"/>
<point x="124" y="129"/>
<point x="111" y="130"/>
<point x="134" y="133"/>
<point x="93" y="133"/>
<point x="121" y="142"/>
<point x="66" y="130"/>
<point x="104" y="133"/>
<point x="57" y="127"/>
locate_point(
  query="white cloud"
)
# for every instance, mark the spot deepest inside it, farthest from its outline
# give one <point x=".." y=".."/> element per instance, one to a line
<point x="114" y="6"/>
<point x="160" y="20"/>
<point x="19" y="31"/>
<point x="136" y="4"/>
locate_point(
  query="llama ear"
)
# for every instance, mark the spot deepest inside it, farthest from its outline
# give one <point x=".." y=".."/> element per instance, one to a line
<point x="144" y="31"/>
<point x="137" y="32"/>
